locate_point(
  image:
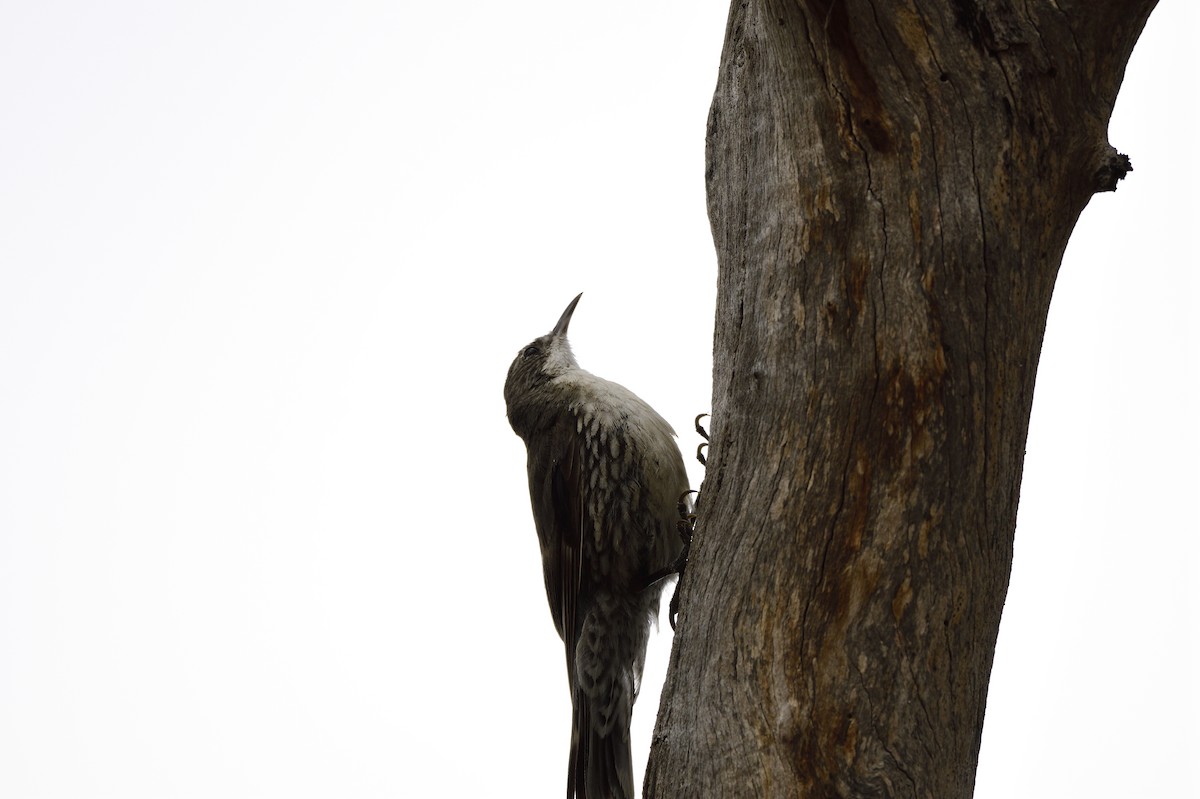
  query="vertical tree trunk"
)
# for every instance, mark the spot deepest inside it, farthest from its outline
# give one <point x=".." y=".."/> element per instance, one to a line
<point x="891" y="187"/>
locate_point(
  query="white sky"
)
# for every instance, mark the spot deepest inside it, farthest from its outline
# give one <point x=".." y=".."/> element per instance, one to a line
<point x="264" y="528"/>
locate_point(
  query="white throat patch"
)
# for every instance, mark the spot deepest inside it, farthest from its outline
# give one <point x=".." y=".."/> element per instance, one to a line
<point x="560" y="358"/>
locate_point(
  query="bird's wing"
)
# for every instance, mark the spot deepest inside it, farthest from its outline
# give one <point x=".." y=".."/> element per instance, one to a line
<point x="557" y="480"/>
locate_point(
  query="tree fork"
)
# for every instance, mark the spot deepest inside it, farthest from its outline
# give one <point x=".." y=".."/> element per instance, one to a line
<point x="891" y="187"/>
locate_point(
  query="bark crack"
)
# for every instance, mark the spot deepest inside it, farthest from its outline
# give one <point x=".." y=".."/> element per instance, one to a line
<point x="820" y="571"/>
<point x="897" y="762"/>
<point x="1070" y="29"/>
<point x="882" y="210"/>
<point x="930" y="723"/>
<point x="987" y="302"/>
<point x="933" y="131"/>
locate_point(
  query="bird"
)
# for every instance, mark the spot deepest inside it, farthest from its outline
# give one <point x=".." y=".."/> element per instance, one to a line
<point x="606" y="483"/>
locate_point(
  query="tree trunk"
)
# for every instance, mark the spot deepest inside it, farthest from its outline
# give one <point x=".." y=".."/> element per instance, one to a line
<point x="891" y="187"/>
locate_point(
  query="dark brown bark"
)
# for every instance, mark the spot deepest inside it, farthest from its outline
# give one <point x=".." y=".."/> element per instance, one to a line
<point x="891" y="189"/>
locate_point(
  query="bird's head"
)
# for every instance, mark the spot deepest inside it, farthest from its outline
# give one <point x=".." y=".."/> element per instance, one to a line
<point x="539" y="362"/>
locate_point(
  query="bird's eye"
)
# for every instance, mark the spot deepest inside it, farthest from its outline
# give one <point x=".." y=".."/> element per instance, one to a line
<point x="530" y="352"/>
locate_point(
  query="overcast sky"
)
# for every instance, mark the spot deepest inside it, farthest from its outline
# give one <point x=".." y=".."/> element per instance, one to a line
<point x="264" y="528"/>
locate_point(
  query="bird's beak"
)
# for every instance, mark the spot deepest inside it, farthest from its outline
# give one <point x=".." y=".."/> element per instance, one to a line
<point x="561" y="328"/>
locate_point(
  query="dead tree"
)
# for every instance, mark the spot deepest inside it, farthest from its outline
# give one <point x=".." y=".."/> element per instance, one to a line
<point x="891" y="187"/>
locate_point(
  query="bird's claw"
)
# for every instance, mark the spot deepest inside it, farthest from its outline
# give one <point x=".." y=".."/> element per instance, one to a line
<point x="700" y="456"/>
<point x="686" y="526"/>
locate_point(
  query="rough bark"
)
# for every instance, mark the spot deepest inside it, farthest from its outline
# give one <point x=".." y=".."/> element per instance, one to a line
<point x="891" y="188"/>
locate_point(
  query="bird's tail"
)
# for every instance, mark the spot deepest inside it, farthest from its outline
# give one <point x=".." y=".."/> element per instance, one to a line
<point x="601" y="766"/>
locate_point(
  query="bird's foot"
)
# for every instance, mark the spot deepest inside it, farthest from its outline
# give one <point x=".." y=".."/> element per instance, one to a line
<point x="687" y="528"/>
